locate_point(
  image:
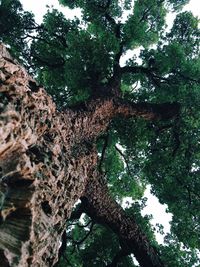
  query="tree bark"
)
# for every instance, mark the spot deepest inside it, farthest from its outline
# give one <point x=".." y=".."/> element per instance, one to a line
<point x="43" y="172"/>
<point x="99" y="205"/>
<point x="46" y="159"/>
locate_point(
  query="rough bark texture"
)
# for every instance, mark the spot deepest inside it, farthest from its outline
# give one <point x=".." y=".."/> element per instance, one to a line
<point x="99" y="205"/>
<point x="42" y="174"/>
<point x="46" y="159"/>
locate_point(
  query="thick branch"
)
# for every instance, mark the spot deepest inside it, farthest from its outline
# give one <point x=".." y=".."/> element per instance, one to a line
<point x="99" y="113"/>
<point x="148" y="111"/>
<point x="100" y="206"/>
<point x="46" y="157"/>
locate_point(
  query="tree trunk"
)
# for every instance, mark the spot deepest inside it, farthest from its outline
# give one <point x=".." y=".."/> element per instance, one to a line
<point x="43" y="171"/>
<point x="46" y="159"/>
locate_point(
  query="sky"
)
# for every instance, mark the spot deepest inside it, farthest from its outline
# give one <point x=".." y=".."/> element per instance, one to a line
<point x="39" y="9"/>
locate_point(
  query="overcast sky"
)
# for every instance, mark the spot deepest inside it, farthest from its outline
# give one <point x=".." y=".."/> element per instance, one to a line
<point x="39" y="9"/>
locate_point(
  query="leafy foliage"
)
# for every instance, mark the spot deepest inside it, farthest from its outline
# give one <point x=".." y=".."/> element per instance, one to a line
<point x="102" y="245"/>
<point x="15" y="24"/>
<point x="77" y="59"/>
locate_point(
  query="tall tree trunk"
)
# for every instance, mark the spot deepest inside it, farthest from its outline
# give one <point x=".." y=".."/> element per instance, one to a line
<point x="46" y="159"/>
<point x="43" y="172"/>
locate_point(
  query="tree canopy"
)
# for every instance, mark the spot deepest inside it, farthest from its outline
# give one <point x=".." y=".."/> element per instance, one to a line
<point x="78" y="61"/>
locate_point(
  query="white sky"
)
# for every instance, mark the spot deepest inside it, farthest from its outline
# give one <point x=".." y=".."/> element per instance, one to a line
<point x="159" y="213"/>
<point x="39" y="9"/>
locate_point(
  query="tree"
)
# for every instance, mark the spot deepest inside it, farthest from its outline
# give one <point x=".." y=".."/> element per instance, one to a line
<point x="53" y="154"/>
